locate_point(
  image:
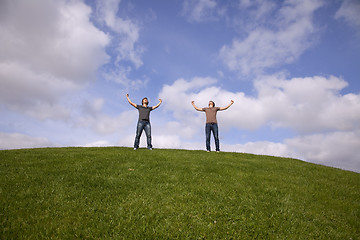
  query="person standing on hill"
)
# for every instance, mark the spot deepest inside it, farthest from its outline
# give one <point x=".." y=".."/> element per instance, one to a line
<point x="143" y="121"/>
<point x="211" y="122"/>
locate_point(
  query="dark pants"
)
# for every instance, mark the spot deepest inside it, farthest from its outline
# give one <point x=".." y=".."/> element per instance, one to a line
<point x="143" y="125"/>
<point x="214" y="128"/>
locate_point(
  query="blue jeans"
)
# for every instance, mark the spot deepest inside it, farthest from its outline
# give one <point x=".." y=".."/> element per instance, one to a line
<point x="214" y="128"/>
<point x="143" y="125"/>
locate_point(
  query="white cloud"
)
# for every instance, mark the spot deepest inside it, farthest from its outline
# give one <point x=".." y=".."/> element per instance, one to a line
<point x="121" y="75"/>
<point x="125" y="47"/>
<point x="260" y="148"/>
<point x="349" y="11"/>
<point x="17" y="140"/>
<point x="308" y="105"/>
<point x="167" y="141"/>
<point x="337" y="149"/>
<point x="127" y="140"/>
<point x="181" y="91"/>
<point x="101" y="123"/>
<point x="258" y="10"/>
<point x="124" y="32"/>
<point x="53" y="37"/>
<point x="178" y="128"/>
<point x="200" y="10"/>
<point x="289" y="35"/>
<point x="100" y="143"/>
<point x="48" y="49"/>
<point x="94" y="107"/>
<point x="35" y="94"/>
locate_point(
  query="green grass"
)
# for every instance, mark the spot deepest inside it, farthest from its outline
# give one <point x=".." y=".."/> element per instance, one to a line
<point x="119" y="193"/>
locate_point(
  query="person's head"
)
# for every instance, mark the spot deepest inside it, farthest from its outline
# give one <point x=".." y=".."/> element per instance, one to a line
<point x="145" y="101"/>
<point x="211" y="104"/>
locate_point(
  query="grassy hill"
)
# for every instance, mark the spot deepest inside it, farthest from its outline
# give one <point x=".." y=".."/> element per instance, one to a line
<point x="119" y="193"/>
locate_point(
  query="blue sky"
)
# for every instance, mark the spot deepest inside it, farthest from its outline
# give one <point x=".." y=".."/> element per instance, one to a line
<point x="292" y="68"/>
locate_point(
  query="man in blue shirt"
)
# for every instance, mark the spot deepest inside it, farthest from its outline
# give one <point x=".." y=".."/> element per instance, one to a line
<point x="144" y="120"/>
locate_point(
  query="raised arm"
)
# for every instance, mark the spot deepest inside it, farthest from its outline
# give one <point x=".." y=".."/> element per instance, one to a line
<point x="193" y="103"/>
<point x="131" y="103"/>
<point x="156" y="106"/>
<point x="224" y="108"/>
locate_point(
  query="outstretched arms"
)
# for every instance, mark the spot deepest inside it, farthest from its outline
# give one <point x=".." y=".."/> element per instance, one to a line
<point x="157" y="105"/>
<point x="131" y="103"/>
<point x="193" y="103"/>
<point x="134" y="105"/>
<point x="224" y="108"/>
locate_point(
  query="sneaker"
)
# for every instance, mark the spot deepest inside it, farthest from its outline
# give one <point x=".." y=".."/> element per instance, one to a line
<point x="135" y="148"/>
<point x="150" y="148"/>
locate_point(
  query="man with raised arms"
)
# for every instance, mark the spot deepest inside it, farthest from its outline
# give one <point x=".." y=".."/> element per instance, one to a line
<point x="211" y="122"/>
<point x="143" y="121"/>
